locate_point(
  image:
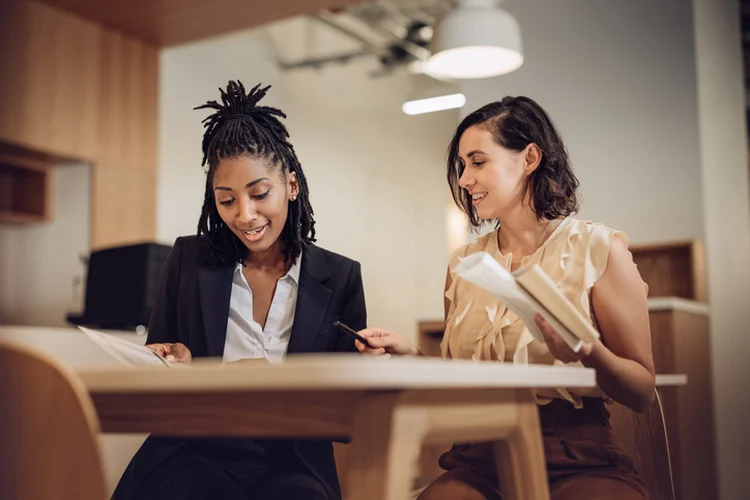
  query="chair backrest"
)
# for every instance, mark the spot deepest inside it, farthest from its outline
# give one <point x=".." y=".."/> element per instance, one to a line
<point x="48" y="431"/>
<point x="644" y="437"/>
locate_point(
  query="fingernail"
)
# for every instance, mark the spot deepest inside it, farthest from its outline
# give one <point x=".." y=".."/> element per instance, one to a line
<point x="170" y="358"/>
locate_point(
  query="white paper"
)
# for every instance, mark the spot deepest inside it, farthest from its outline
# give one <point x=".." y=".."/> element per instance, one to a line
<point x="124" y="351"/>
<point x="484" y="271"/>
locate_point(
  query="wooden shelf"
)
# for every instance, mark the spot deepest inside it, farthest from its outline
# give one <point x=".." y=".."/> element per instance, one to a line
<point x="24" y="191"/>
<point x="8" y="217"/>
<point x="673" y="269"/>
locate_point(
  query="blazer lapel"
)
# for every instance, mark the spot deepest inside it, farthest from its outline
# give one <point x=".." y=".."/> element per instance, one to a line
<point x="215" y="284"/>
<point x="313" y="297"/>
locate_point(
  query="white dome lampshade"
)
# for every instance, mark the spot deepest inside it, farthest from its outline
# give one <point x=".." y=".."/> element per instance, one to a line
<point x="476" y="40"/>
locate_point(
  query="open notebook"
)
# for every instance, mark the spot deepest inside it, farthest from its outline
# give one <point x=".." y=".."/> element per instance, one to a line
<point x="127" y="352"/>
<point x="528" y="292"/>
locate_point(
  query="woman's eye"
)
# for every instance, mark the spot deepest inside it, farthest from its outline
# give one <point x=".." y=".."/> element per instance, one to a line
<point x="262" y="195"/>
<point x="226" y="203"/>
<point x="478" y="164"/>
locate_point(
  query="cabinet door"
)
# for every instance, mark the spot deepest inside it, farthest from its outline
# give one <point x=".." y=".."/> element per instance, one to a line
<point x="50" y="80"/>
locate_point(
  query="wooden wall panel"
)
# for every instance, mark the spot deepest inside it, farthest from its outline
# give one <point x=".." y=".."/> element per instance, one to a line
<point x="49" y="80"/>
<point x="123" y="205"/>
<point x="129" y="102"/>
<point x="70" y="89"/>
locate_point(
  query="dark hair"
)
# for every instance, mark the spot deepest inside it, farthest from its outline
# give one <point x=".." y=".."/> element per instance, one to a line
<point x="516" y="122"/>
<point x="240" y="127"/>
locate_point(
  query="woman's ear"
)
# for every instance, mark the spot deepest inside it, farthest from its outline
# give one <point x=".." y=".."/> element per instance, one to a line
<point x="292" y="185"/>
<point x="532" y="158"/>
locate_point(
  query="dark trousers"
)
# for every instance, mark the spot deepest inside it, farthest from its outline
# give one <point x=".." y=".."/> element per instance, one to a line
<point x="205" y="472"/>
<point x="584" y="460"/>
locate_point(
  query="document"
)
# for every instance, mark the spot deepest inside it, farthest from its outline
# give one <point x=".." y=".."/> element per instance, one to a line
<point x="127" y="352"/>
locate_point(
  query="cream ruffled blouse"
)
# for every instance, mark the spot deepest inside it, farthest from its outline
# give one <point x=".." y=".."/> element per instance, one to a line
<point x="479" y="327"/>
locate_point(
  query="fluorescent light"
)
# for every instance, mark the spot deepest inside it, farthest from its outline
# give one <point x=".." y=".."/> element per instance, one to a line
<point x="429" y="105"/>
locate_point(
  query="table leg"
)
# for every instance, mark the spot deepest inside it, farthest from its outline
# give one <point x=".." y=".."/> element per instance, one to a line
<point x="521" y="465"/>
<point x="384" y="454"/>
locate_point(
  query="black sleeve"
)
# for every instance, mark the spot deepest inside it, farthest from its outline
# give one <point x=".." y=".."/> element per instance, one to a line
<point x="353" y="312"/>
<point x="162" y="326"/>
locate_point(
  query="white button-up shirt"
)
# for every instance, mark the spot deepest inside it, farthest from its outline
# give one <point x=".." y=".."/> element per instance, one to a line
<point x="245" y="337"/>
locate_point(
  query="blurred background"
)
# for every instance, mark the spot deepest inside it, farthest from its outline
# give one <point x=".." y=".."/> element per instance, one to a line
<point x="100" y="149"/>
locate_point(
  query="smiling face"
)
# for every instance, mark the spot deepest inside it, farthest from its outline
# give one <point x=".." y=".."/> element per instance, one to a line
<point x="252" y="198"/>
<point x="494" y="177"/>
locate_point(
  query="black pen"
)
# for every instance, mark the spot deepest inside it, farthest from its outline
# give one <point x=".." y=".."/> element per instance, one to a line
<point x="351" y="332"/>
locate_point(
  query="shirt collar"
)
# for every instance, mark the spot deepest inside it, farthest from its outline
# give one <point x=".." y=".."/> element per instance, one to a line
<point x="293" y="272"/>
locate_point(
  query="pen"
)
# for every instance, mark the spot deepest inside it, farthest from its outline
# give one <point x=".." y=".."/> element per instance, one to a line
<point x="351" y="332"/>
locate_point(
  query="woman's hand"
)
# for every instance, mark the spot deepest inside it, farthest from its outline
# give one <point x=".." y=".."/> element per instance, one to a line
<point x="384" y="342"/>
<point x="173" y="352"/>
<point x="557" y="346"/>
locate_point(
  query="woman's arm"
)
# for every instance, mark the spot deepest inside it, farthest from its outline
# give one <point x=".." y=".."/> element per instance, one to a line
<point x="162" y="326"/>
<point x="622" y="359"/>
<point x="387" y="342"/>
<point x="624" y="362"/>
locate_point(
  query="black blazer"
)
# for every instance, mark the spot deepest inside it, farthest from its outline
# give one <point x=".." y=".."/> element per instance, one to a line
<point x="192" y="307"/>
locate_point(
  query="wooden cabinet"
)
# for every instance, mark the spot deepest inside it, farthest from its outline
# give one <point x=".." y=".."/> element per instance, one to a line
<point x="123" y="201"/>
<point x="50" y="80"/>
<point x="24" y="193"/>
<point x="673" y="269"/>
<point x="681" y="344"/>
<point x="71" y="90"/>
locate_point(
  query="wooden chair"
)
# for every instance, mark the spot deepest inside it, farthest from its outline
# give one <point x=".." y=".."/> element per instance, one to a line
<point x="48" y="430"/>
<point x="644" y="437"/>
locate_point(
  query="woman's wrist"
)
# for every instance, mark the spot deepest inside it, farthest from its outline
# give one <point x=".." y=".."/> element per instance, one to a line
<point x="596" y="358"/>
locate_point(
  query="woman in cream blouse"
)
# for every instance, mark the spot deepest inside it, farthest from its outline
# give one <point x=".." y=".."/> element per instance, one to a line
<point x="507" y="164"/>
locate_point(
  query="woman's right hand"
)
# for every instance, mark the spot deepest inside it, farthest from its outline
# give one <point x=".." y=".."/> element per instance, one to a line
<point x="384" y="342"/>
<point x="173" y="352"/>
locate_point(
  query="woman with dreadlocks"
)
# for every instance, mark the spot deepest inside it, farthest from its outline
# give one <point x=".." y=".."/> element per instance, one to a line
<point x="250" y="285"/>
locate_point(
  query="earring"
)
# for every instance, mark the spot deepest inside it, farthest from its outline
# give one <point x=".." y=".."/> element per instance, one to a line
<point x="294" y="198"/>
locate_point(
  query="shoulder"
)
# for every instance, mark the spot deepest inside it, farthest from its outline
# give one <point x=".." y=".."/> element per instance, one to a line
<point x="593" y="231"/>
<point x="191" y="247"/>
<point x="326" y="264"/>
<point x="604" y="246"/>
<point x="333" y="259"/>
<point x="482" y="244"/>
<point x="593" y="237"/>
<point x="195" y="251"/>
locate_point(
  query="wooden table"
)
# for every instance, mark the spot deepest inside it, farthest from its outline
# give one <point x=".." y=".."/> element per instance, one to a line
<point x="390" y="407"/>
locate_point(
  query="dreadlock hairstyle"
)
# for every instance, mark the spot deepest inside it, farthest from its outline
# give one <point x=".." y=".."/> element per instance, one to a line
<point x="240" y="127"/>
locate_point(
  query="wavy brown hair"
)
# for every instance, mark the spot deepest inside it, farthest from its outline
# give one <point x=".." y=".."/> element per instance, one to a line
<point x="516" y="122"/>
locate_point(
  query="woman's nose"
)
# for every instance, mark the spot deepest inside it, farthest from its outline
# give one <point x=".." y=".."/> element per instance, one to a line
<point x="466" y="180"/>
<point x="246" y="212"/>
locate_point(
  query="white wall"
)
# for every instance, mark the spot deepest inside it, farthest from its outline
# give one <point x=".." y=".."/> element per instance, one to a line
<point x="39" y="263"/>
<point x="723" y="144"/>
<point x="376" y="176"/>
<point x="618" y="80"/>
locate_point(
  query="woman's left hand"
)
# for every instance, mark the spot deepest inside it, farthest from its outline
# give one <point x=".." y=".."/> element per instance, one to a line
<point x="557" y="346"/>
